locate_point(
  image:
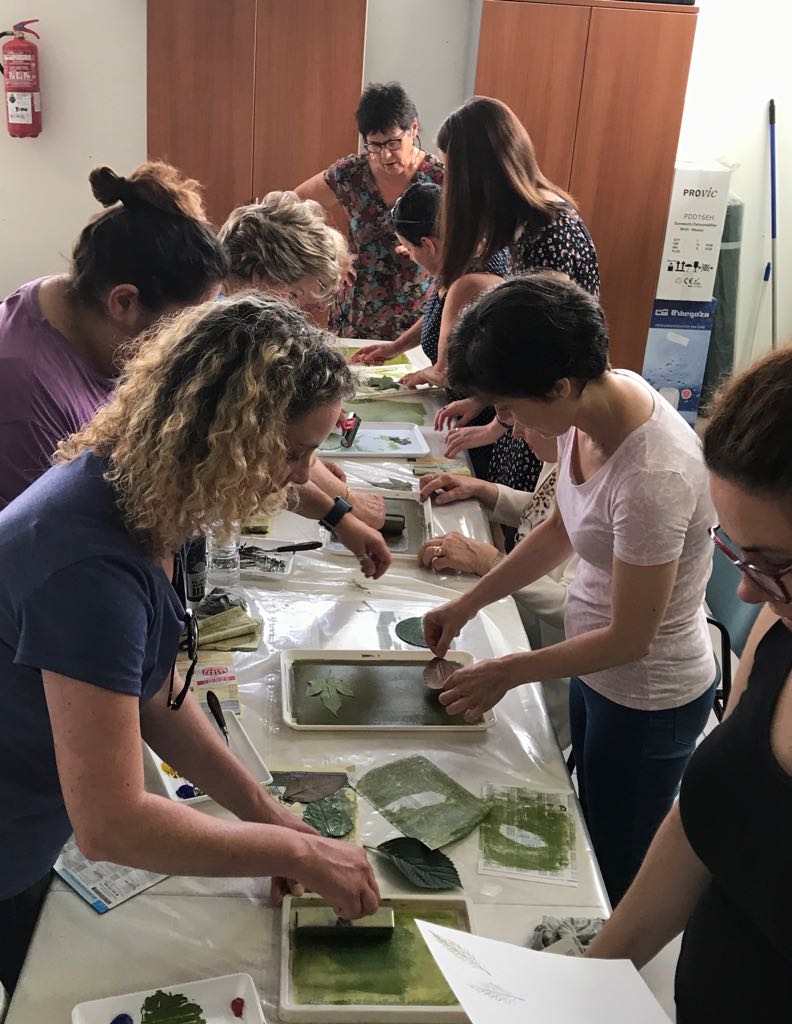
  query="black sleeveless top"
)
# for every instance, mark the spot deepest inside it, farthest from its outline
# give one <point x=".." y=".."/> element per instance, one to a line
<point x="736" y="808"/>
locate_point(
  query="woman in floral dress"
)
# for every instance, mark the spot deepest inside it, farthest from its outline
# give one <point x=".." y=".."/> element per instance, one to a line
<point x="384" y="294"/>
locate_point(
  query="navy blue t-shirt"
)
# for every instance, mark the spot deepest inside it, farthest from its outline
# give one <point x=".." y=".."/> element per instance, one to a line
<point x="81" y="597"/>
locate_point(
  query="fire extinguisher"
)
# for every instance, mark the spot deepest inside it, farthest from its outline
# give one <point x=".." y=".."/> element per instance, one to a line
<point x="20" y="66"/>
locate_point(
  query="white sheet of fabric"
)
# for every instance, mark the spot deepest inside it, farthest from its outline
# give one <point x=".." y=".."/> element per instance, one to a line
<point x="542" y="603"/>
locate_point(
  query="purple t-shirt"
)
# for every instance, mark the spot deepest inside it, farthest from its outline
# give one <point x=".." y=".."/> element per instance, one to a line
<point x="46" y="391"/>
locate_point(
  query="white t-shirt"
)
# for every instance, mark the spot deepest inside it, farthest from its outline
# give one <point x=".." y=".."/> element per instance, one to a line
<point x="648" y="505"/>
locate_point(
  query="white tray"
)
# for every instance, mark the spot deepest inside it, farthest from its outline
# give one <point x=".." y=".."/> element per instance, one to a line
<point x="288" y="659"/>
<point x="213" y="995"/>
<point x="367" y="443"/>
<point x="333" y="545"/>
<point x="301" y="1013"/>
<point x="239" y="743"/>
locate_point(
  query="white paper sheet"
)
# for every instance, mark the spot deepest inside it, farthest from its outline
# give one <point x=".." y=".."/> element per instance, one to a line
<point x="497" y="983"/>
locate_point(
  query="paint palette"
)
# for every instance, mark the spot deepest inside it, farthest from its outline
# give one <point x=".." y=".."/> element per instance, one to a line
<point x="394" y="440"/>
<point x="372" y="690"/>
<point x="240" y="745"/>
<point x="213" y="997"/>
<point x="417" y="529"/>
<point x="391" y="980"/>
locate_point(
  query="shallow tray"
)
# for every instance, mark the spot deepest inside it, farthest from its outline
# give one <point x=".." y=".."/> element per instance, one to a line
<point x="372" y="441"/>
<point x="213" y="995"/>
<point x="293" y="1011"/>
<point x="240" y="744"/>
<point x="417" y="529"/>
<point x="387" y="702"/>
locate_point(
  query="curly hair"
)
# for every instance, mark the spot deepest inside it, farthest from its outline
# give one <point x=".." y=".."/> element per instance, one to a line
<point x="284" y="238"/>
<point x="195" y="433"/>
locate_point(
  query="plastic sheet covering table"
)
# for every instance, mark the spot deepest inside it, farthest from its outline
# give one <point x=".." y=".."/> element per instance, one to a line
<point x="187" y="928"/>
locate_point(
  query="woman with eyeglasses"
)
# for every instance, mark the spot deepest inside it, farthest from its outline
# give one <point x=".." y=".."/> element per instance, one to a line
<point x="719" y="866"/>
<point x="632" y="501"/>
<point x="218" y="411"/>
<point x="384" y="294"/>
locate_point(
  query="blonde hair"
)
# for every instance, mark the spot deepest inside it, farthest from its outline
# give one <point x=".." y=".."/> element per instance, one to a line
<point x="284" y="238"/>
<point x="195" y="433"/>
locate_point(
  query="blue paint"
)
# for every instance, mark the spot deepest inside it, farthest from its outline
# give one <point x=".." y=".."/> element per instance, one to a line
<point x="186" y="792"/>
<point x="122" y="1018"/>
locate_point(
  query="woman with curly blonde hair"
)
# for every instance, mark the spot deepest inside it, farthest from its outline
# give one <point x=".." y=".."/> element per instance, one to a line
<point x="221" y="408"/>
<point x="284" y="247"/>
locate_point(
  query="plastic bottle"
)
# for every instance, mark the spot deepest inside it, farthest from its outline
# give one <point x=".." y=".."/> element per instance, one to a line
<point x="223" y="558"/>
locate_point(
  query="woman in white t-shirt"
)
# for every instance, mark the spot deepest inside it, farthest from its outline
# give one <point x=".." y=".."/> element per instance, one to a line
<point x="633" y="503"/>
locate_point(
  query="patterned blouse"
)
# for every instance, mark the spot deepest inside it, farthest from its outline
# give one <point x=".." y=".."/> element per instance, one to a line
<point x="388" y="293"/>
<point x="564" y="245"/>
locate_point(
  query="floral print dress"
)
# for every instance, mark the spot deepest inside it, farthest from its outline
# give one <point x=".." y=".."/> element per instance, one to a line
<point x="564" y="245"/>
<point x="388" y="293"/>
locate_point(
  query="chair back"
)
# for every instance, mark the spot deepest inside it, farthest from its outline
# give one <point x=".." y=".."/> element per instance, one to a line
<point x="725" y="605"/>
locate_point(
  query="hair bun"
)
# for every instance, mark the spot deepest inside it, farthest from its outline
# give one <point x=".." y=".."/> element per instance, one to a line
<point x="109" y="188"/>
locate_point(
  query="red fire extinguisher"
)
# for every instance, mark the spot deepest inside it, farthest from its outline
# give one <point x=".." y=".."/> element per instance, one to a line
<point x="20" y="66"/>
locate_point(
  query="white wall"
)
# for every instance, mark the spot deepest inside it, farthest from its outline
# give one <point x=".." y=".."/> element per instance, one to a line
<point x="430" y="47"/>
<point x="94" y="104"/>
<point x="93" y="85"/>
<point x="740" y="61"/>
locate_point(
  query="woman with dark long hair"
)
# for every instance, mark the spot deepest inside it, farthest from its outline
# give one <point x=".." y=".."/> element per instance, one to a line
<point x="494" y="196"/>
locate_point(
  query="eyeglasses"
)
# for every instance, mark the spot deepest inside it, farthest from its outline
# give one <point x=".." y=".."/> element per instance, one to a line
<point x="191" y="633"/>
<point x="771" y="581"/>
<point x="390" y="144"/>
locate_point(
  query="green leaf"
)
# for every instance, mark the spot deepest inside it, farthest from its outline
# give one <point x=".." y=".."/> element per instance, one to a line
<point x="384" y="383"/>
<point x="425" y="868"/>
<point x="392" y="484"/>
<point x="171" y="1008"/>
<point x="330" y="817"/>
<point x="411" y="631"/>
<point x="310" y="787"/>
<point x="331" y="692"/>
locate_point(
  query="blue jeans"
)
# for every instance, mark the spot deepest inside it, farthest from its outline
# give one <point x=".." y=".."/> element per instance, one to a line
<point x="629" y="765"/>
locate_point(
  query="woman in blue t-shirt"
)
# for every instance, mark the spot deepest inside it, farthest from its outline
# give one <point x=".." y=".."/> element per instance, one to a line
<point x="220" y="409"/>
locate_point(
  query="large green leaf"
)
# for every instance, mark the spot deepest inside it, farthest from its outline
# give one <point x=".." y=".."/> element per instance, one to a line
<point x="425" y="868"/>
<point x="330" y="817"/>
<point x="331" y="692"/>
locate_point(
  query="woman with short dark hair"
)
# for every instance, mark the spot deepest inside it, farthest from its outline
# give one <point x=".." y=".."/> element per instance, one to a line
<point x="387" y="293"/>
<point x="632" y="501"/>
<point x="719" y="865"/>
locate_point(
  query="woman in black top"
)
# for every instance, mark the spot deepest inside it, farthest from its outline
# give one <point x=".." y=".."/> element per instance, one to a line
<point x="719" y="866"/>
<point x="495" y="195"/>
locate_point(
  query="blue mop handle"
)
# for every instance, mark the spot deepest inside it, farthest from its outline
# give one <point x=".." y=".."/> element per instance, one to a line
<point x="772" y="119"/>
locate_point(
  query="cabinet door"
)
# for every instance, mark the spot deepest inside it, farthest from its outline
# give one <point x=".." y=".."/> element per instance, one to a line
<point x="309" y="74"/>
<point x="200" y="94"/>
<point x="531" y="56"/>
<point x="630" y="113"/>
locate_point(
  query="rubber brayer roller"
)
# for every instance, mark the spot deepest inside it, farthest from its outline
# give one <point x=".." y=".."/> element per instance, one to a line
<point x="322" y="923"/>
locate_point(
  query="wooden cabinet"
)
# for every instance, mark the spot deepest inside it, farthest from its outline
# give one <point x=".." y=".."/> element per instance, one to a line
<point x="600" y="84"/>
<point x="256" y="96"/>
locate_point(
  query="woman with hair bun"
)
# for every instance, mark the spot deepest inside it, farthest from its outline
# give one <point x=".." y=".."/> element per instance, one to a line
<point x="220" y="409"/>
<point x="150" y="253"/>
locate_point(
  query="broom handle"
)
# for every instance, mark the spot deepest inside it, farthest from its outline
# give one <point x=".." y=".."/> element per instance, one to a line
<point x="773" y="224"/>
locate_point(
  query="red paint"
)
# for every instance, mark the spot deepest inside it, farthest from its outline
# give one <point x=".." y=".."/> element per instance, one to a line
<point x="238" y="1007"/>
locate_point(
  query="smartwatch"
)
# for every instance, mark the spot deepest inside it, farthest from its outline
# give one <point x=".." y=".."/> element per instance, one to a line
<point x="340" y="508"/>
